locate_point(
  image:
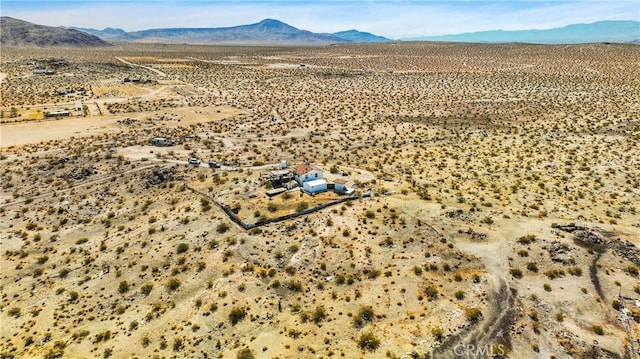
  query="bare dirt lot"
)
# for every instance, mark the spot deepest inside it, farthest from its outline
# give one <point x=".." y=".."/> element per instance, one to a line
<point x="503" y="217"/>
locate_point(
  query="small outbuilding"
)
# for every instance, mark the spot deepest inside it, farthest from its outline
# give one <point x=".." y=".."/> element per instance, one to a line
<point x="57" y="113"/>
<point x="340" y="185"/>
<point x="276" y="191"/>
<point x="315" y="186"/>
<point x="291" y="185"/>
<point x="161" y="141"/>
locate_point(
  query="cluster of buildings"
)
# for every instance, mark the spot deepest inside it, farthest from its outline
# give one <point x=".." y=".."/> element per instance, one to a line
<point x="306" y="177"/>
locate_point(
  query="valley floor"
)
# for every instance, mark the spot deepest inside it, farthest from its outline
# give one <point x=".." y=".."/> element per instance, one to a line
<point x="503" y="217"/>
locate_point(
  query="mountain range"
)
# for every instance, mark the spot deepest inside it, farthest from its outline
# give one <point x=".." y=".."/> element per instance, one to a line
<point x="14" y="32"/>
<point x="265" y="31"/>
<point x="603" y="31"/>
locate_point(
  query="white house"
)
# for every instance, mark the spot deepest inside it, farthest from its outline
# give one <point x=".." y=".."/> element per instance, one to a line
<point x="315" y="186"/>
<point x="305" y="173"/>
<point x="310" y="179"/>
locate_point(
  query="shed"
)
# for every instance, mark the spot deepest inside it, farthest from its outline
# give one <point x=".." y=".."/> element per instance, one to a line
<point x="315" y="186"/>
<point x="340" y="185"/>
<point x="57" y="113"/>
<point x="291" y="185"/>
<point x="275" y="191"/>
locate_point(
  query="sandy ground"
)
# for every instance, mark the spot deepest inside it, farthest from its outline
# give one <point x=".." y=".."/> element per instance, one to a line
<point x="478" y="157"/>
<point x="47" y="130"/>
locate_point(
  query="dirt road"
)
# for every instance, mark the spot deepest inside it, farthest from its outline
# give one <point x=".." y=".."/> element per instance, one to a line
<point x="142" y="66"/>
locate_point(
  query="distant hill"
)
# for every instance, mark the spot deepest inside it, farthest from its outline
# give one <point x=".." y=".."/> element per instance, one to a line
<point x="603" y="31"/>
<point x="268" y="31"/>
<point x="359" y="36"/>
<point x="14" y="32"/>
<point x="106" y="34"/>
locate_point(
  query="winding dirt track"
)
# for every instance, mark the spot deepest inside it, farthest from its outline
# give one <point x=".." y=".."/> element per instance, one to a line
<point x="476" y="341"/>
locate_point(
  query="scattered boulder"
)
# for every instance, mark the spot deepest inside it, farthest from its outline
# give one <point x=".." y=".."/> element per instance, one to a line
<point x="588" y="237"/>
<point x="128" y="121"/>
<point x="584" y="236"/>
<point x="626" y="250"/>
<point x="476" y="236"/>
<point x="80" y="173"/>
<point x="160" y="175"/>
<point x="459" y="214"/>
<point x="559" y="252"/>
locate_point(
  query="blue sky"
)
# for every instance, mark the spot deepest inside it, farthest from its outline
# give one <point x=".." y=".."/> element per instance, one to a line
<point x="391" y="18"/>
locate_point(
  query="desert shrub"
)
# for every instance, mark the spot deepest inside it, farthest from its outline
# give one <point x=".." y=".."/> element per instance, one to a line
<point x="182" y="247"/>
<point x="173" y="284"/>
<point x="302" y="206"/>
<point x="102" y="336"/>
<point x="364" y="315"/>
<point x="206" y="205"/>
<point x="598" y="330"/>
<point x="294" y="285"/>
<point x="368" y="341"/>
<point x="617" y="305"/>
<point x="178" y="344"/>
<point x="575" y="271"/>
<point x="431" y="292"/>
<point x="632" y="270"/>
<point x="319" y="314"/>
<point x="64" y="272"/>
<point x="516" y="272"/>
<point x="437" y="333"/>
<point x="245" y="353"/>
<point x="222" y="227"/>
<point x="531" y="266"/>
<point x="146" y="289"/>
<point x="487" y="220"/>
<point x="123" y="287"/>
<point x="473" y="314"/>
<point x="14" y="312"/>
<point x="554" y="273"/>
<point x="80" y="334"/>
<point x="526" y="239"/>
<point x="237" y="314"/>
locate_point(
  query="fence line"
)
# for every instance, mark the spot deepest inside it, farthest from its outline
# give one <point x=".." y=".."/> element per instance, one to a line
<point x="234" y="217"/>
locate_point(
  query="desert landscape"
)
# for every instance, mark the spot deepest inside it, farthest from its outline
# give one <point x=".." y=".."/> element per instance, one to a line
<point x="493" y="208"/>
